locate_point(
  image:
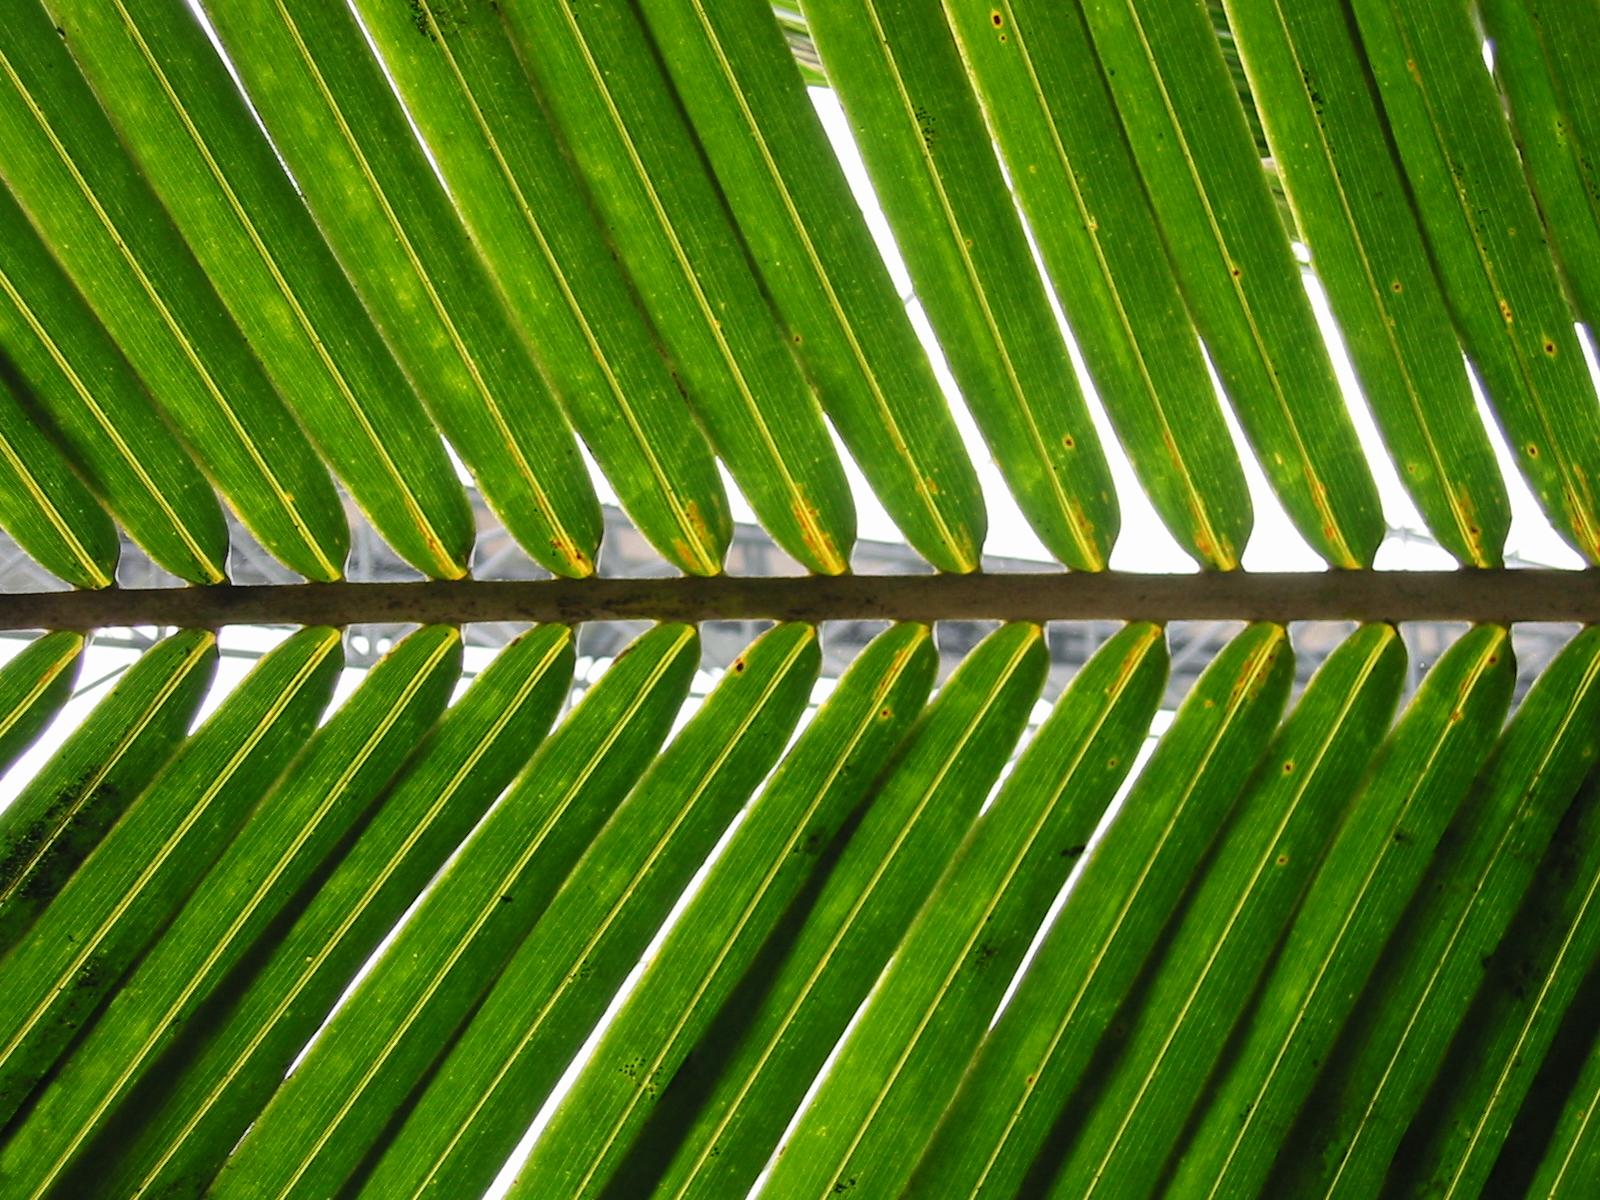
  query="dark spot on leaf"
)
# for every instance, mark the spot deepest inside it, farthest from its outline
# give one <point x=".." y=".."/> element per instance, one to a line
<point x="997" y="19"/>
<point x="1074" y="851"/>
<point x="1283" y="860"/>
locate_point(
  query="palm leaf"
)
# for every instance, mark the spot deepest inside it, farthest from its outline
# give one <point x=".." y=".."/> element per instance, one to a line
<point x="690" y="889"/>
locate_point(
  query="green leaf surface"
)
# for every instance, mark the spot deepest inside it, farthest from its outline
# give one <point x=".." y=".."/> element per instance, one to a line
<point x="742" y="91"/>
<point x="1357" y="897"/>
<point x="194" y="1105"/>
<point x="335" y="1106"/>
<point x="1572" y="1156"/>
<point x="61" y="814"/>
<point x="557" y="985"/>
<point x="1234" y="264"/>
<point x="66" y="168"/>
<point x="257" y="877"/>
<point x="1484" y="231"/>
<point x="1045" y="1037"/>
<point x="340" y="129"/>
<point x="1526" y="987"/>
<point x="77" y="387"/>
<point x="1398" y="1032"/>
<point x="528" y="216"/>
<point x="140" y="873"/>
<point x="605" y="90"/>
<point x="900" y="1062"/>
<point x="46" y="508"/>
<point x="896" y="70"/>
<point x="171" y="100"/>
<point x="1547" y="58"/>
<point x="33" y="686"/>
<point x="1324" y="122"/>
<point x="1077" y="182"/>
<point x="911" y="827"/>
<point x="606" y="1131"/>
<point x="1130" y="1120"/>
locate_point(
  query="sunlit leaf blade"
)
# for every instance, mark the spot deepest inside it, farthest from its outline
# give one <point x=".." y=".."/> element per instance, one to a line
<point x="1325" y="125"/>
<point x="65" y="167"/>
<point x="1233" y="261"/>
<point x="1547" y="57"/>
<point x="897" y="73"/>
<point x="140" y="873"/>
<point x="1397" y="1034"/>
<point x="600" y="79"/>
<point x="740" y="85"/>
<point x="1045" y="1037"/>
<point x="71" y="379"/>
<point x="1571" y="1159"/>
<point x="557" y="985"/>
<point x="1484" y="231"/>
<point x="1360" y="890"/>
<point x="1526" y="987"/>
<point x="1076" y="179"/>
<point x="607" y="1132"/>
<point x="192" y="1107"/>
<point x="174" y="106"/>
<point x="46" y="509"/>
<point x="329" y="1114"/>
<point x="1129" y="1121"/>
<point x="527" y="214"/>
<point x="900" y="1062"/>
<point x="257" y="878"/>
<point x="769" y="1052"/>
<point x="61" y="814"/>
<point x="340" y="129"/>
<point x="33" y="687"/>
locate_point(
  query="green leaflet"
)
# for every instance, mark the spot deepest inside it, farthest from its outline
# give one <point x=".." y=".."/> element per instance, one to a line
<point x="1571" y="1160"/>
<point x="335" y="1106"/>
<point x="1398" y="1032"/>
<point x="527" y="214"/>
<point x="258" y="876"/>
<point x="608" y="1127"/>
<point x="71" y="379"/>
<point x="557" y="985"/>
<point x="600" y="80"/>
<point x="1325" y="125"/>
<point x="901" y="1062"/>
<point x="1045" y="1037"/>
<point x="899" y="77"/>
<point x="175" y="108"/>
<point x="1128" y="1121"/>
<point x="1547" y="57"/>
<point x="33" y="687"/>
<point x="339" y="127"/>
<point x="1076" y="179"/>
<point x="1358" y="895"/>
<point x="1484" y="231"/>
<point x="64" y="811"/>
<point x="1526" y="987"/>
<point x="193" y="1106"/>
<point x="65" y="167"/>
<point x="914" y="823"/>
<point x="739" y="83"/>
<point x="1204" y="177"/>
<point x="140" y="873"/>
<point x="45" y="507"/>
<point x="770" y="1049"/>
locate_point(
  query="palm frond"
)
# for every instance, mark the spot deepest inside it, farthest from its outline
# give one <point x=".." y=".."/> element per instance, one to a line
<point x="1284" y="909"/>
